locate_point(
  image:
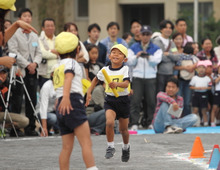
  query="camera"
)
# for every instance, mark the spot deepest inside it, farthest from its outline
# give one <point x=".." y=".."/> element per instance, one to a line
<point x="12" y="55"/>
<point x="144" y="55"/>
<point x="44" y="61"/>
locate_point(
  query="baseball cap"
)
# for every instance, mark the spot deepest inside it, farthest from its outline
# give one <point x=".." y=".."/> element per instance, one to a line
<point x="121" y="48"/>
<point x="208" y="63"/>
<point x="201" y="63"/>
<point x="66" y="42"/>
<point x="8" y="4"/>
<point x="146" y="29"/>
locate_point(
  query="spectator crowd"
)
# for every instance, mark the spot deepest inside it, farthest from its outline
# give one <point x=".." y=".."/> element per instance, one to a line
<point x="165" y="68"/>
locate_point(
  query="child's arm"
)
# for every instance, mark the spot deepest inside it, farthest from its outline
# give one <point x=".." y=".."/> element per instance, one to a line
<point x="65" y="104"/>
<point x="89" y="92"/>
<point x="200" y="88"/>
<point x="123" y="84"/>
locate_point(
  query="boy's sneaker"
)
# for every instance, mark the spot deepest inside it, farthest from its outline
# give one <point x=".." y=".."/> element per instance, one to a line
<point x="125" y="155"/>
<point x="110" y="152"/>
<point x="169" y="130"/>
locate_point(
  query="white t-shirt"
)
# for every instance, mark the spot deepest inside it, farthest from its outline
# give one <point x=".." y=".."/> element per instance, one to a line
<point x="217" y="85"/>
<point x="165" y="42"/>
<point x="117" y="75"/>
<point x="64" y="66"/>
<point x="47" y="99"/>
<point x="200" y="82"/>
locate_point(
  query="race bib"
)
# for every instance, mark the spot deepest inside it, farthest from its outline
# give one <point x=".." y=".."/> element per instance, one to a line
<point x="58" y="76"/>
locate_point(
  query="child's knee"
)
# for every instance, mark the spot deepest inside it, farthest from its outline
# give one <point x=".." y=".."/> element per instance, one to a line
<point x="110" y="124"/>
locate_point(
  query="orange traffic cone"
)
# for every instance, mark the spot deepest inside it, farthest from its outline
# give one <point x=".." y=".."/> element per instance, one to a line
<point x="197" y="150"/>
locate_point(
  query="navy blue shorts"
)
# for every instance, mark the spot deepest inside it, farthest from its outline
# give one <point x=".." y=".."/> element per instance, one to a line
<point x="120" y="105"/>
<point x="77" y="116"/>
<point x="200" y="99"/>
<point x="216" y="100"/>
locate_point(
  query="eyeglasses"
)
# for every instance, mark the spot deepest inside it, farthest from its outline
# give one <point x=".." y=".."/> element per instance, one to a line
<point x="146" y="33"/>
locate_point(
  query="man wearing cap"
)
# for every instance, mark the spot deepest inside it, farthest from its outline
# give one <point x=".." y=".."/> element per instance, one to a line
<point x="169" y="55"/>
<point x="26" y="46"/>
<point x="143" y="56"/>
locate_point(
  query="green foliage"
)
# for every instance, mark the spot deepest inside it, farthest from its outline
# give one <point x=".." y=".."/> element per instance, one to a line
<point x="207" y="28"/>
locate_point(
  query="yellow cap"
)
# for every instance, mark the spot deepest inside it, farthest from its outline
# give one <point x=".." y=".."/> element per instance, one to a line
<point x="121" y="48"/>
<point x="7" y="4"/>
<point x="66" y="42"/>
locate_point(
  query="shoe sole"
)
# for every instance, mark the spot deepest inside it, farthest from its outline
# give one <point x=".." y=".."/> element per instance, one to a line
<point x="110" y="157"/>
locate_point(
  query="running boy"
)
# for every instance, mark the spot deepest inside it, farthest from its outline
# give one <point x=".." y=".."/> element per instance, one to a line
<point x="115" y="108"/>
<point x="200" y="84"/>
<point x="70" y="109"/>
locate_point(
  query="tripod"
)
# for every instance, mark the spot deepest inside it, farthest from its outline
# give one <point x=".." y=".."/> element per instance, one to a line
<point x="13" y="80"/>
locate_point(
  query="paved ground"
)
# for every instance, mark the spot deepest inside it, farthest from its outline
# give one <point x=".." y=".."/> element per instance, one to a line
<point x="148" y="152"/>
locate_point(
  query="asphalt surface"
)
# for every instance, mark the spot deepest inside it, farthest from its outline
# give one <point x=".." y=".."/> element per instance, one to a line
<point x="148" y="152"/>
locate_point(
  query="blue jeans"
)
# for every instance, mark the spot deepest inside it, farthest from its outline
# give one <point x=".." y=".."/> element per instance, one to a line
<point x="164" y="119"/>
<point x="185" y="92"/>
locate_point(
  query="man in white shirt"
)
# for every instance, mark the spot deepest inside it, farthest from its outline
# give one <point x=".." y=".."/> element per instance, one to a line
<point x="49" y="54"/>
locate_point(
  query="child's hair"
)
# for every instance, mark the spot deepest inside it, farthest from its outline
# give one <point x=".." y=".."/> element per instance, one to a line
<point x="188" y="49"/>
<point x="71" y="54"/>
<point x="173" y="80"/>
<point x="23" y="11"/>
<point x="89" y="47"/>
<point x="125" y="35"/>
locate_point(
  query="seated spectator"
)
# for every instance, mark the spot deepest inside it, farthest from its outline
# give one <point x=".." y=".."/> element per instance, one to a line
<point x="19" y="120"/>
<point x="46" y="108"/>
<point x="94" y="32"/>
<point x="165" y="122"/>
<point x="93" y="66"/>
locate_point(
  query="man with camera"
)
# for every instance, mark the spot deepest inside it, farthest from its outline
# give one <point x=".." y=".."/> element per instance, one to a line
<point x="49" y="54"/>
<point x="143" y="56"/>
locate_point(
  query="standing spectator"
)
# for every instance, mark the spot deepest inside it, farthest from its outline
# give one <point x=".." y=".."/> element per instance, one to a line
<point x="207" y="53"/>
<point x="216" y="100"/>
<point x="127" y="37"/>
<point x="49" y="54"/>
<point x="136" y="31"/>
<point x="5" y="35"/>
<point x="26" y="46"/>
<point x="178" y="40"/>
<point x="93" y="66"/>
<point x="144" y="56"/>
<point x="165" y="122"/>
<point x="181" y="27"/>
<point x="169" y="56"/>
<point x="83" y="56"/>
<point x="94" y="32"/>
<point x="217" y="49"/>
<point x="113" y="39"/>
<point x="200" y="84"/>
<point x="186" y="66"/>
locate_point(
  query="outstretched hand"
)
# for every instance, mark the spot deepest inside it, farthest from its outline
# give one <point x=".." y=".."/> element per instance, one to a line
<point x="27" y="27"/>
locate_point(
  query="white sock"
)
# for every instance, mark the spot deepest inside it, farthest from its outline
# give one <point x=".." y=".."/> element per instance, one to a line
<point x="212" y="123"/>
<point x="111" y="144"/>
<point x="92" y="168"/>
<point x="125" y="146"/>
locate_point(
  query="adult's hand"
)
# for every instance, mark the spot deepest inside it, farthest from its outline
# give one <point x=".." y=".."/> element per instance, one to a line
<point x="27" y="27"/>
<point x="7" y="61"/>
